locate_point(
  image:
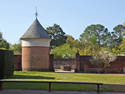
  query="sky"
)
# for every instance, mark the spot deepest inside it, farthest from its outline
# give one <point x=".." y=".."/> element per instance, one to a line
<point x="73" y="16"/>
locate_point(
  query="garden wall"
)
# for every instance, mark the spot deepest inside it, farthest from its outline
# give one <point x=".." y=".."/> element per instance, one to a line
<point x="18" y="62"/>
<point x="80" y="64"/>
<point x="83" y="64"/>
<point x="62" y="62"/>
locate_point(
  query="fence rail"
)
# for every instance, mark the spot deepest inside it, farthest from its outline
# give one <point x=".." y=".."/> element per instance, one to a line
<point x="50" y="83"/>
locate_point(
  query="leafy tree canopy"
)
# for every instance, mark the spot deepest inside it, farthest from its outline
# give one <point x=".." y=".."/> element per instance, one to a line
<point x="57" y="35"/>
<point x="97" y="35"/>
<point x="72" y="42"/>
<point x="117" y="35"/>
<point x="16" y="48"/>
<point x="4" y="44"/>
<point x="1" y="36"/>
<point x="64" y="52"/>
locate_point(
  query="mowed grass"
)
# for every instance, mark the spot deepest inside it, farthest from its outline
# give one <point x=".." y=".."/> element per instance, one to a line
<point x="73" y="77"/>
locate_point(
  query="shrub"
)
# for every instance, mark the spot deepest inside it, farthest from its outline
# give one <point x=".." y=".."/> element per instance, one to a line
<point x="6" y="63"/>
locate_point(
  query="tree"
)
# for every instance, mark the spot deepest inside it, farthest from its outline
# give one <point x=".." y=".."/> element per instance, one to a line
<point x="16" y="48"/>
<point x="96" y="34"/>
<point x="122" y="48"/>
<point x="72" y="42"/>
<point x="4" y="44"/>
<point x="57" y="35"/>
<point x="64" y="52"/>
<point x="89" y="49"/>
<point x="117" y="35"/>
<point x="116" y="51"/>
<point x="93" y="38"/>
<point x="103" y="59"/>
<point x="1" y="36"/>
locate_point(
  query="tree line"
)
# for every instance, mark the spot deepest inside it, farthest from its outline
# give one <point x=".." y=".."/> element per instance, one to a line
<point x="94" y="39"/>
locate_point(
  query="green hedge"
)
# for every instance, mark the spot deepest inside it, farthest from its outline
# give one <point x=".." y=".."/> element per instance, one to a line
<point x="6" y="63"/>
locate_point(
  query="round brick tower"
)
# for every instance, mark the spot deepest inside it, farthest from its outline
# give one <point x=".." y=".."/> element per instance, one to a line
<point x="35" y="48"/>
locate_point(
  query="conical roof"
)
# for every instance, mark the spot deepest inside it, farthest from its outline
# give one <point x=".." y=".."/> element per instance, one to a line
<point x="36" y="31"/>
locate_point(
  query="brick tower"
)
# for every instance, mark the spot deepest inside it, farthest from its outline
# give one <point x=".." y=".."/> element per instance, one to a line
<point x="35" y="48"/>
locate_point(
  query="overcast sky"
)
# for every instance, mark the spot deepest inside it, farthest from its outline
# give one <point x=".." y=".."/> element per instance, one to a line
<point x="72" y="15"/>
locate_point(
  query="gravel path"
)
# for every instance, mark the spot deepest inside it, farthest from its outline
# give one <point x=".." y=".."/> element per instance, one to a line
<point x="46" y="92"/>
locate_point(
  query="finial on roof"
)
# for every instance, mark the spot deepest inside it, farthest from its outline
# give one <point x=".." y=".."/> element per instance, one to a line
<point x="36" y="14"/>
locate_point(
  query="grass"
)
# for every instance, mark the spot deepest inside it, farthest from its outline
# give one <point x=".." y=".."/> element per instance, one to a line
<point x="75" y="77"/>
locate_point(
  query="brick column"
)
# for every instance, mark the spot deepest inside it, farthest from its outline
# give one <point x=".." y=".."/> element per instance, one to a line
<point x="51" y="58"/>
<point x="77" y="62"/>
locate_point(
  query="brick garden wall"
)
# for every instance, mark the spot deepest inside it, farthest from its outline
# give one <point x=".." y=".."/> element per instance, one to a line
<point x="118" y="65"/>
<point x="18" y="62"/>
<point x="61" y="62"/>
<point x="54" y="63"/>
<point x="83" y="64"/>
<point x="80" y="64"/>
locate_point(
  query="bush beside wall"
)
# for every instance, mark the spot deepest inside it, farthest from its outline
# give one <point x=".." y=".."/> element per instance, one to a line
<point x="6" y="63"/>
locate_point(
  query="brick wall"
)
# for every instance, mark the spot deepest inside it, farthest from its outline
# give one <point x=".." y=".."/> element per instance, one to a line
<point x="54" y="63"/>
<point x="83" y="64"/>
<point x="118" y="65"/>
<point x="80" y="64"/>
<point x="35" y="58"/>
<point x="61" y="62"/>
<point x="18" y="62"/>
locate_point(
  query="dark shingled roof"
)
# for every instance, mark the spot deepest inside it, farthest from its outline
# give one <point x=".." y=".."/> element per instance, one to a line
<point x="36" y="31"/>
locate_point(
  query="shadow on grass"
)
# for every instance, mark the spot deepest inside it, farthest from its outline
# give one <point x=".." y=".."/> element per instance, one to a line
<point x="29" y="77"/>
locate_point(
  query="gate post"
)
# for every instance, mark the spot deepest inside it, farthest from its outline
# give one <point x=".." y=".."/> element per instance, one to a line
<point x="51" y="61"/>
<point x="77" y="62"/>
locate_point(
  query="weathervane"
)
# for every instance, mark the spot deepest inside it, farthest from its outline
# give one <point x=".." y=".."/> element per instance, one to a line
<point x="36" y="14"/>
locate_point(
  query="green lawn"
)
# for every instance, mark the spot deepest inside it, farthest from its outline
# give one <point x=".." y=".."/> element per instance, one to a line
<point x="75" y="77"/>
